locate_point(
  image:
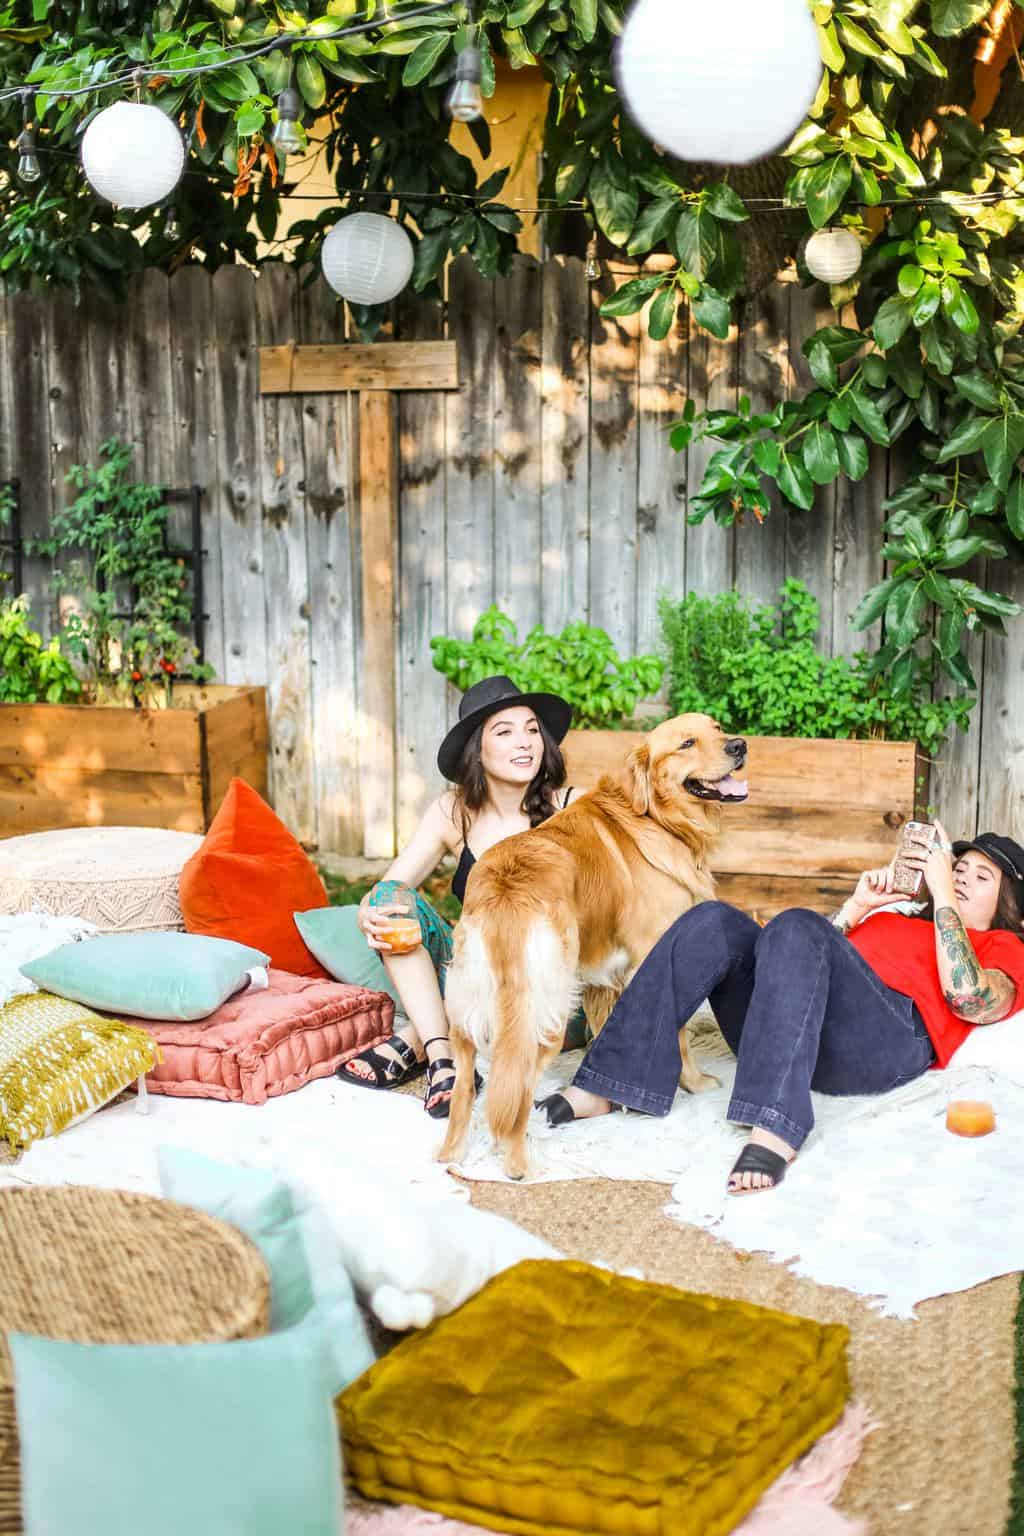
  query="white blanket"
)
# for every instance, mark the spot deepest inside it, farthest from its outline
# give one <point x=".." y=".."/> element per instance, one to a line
<point x="28" y="936"/>
<point x="882" y="1200"/>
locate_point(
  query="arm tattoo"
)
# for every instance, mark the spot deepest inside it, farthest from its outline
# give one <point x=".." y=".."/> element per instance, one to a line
<point x="975" y="995"/>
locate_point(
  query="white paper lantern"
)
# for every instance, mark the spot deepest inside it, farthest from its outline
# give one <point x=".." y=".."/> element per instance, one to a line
<point x="133" y="154"/>
<point x="721" y="80"/>
<point x="833" y="255"/>
<point x="367" y="258"/>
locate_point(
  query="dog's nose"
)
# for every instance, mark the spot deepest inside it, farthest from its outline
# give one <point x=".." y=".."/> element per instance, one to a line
<point x="736" y="747"/>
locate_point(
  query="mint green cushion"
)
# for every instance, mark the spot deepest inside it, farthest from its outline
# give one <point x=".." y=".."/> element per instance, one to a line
<point x="333" y="936"/>
<point x="203" y="1439"/>
<point x="177" y="976"/>
<point x="294" y="1237"/>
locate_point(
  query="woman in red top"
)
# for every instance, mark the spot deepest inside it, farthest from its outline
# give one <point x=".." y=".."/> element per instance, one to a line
<point x="841" y="1005"/>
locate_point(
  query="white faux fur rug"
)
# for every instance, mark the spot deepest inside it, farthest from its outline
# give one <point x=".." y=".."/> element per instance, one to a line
<point x="882" y="1201"/>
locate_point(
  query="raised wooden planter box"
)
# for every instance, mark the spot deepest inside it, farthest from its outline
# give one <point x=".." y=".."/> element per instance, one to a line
<point x="819" y="813"/>
<point x="93" y="765"/>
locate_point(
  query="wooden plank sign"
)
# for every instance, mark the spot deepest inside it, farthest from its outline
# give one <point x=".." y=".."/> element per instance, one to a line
<point x="293" y="370"/>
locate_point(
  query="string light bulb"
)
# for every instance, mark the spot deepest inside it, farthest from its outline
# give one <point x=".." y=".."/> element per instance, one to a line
<point x="592" y="265"/>
<point x="465" y="101"/>
<point x="288" y="137"/>
<point x="29" y="169"/>
<point x="172" y="229"/>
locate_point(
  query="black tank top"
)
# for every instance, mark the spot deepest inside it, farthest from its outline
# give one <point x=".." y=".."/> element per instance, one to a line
<point x="467" y="859"/>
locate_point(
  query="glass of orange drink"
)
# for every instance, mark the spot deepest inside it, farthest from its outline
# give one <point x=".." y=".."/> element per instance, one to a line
<point x="401" y="926"/>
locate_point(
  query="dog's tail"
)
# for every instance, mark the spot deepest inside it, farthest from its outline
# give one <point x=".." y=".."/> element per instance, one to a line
<point x="535" y="991"/>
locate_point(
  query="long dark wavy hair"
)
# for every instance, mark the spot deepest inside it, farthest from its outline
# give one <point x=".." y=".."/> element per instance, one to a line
<point x="538" y="801"/>
<point x="1008" y="914"/>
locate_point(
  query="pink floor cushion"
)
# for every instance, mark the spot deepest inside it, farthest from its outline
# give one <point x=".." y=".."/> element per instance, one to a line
<point x="259" y="1044"/>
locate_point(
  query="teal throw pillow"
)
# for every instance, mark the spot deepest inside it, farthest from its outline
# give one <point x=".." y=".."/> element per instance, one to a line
<point x="177" y="976"/>
<point x="333" y="936"/>
<point x="292" y="1233"/>
<point x="166" y="1439"/>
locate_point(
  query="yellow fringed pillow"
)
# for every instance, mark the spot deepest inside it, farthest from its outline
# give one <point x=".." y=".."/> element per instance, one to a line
<point x="59" y="1061"/>
<point x="564" y="1398"/>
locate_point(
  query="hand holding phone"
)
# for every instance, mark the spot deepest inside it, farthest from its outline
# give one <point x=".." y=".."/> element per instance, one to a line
<point x="916" y="843"/>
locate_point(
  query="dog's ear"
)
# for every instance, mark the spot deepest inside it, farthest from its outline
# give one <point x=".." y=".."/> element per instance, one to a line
<point x="638" y="776"/>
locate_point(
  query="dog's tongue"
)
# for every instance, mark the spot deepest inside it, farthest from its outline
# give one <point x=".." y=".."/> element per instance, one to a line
<point x="731" y="788"/>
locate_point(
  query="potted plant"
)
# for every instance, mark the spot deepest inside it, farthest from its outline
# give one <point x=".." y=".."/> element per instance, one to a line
<point x="115" y="721"/>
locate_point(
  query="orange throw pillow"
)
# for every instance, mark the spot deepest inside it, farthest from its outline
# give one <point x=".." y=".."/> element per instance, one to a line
<point x="246" y="879"/>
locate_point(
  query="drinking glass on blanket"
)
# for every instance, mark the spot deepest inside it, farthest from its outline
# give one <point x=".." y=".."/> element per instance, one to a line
<point x="400" y="925"/>
<point x="970" y="1094"/>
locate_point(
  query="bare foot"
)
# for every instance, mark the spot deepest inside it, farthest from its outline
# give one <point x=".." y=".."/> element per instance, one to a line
<point x="752" y="1183"/>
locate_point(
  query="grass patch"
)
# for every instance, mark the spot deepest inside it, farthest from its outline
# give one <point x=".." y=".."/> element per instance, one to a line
<point x="436" y="888"/>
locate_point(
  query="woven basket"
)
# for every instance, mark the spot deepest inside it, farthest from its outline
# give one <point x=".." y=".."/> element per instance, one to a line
<point x="100" y="1266"/>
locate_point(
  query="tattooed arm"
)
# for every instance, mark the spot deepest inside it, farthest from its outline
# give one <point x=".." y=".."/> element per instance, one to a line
<point x="975" y="995"/>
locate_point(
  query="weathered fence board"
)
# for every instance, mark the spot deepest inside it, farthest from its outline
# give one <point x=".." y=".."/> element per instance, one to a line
<point x="545" y="483"/>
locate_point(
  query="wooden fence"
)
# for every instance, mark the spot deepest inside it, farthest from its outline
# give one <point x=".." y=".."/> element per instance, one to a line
<point x="545" y="484"/>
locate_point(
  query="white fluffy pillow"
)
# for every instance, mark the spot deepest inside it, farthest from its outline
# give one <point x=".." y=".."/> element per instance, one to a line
<point x="412" y="1255"/>
<point x="27" y="937"/>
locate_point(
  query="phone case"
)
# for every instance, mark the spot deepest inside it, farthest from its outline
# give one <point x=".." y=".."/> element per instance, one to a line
<point x="906" y="879"/>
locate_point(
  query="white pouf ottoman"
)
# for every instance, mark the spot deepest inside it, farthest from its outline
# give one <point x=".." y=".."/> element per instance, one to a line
<point x="123" y="879"/>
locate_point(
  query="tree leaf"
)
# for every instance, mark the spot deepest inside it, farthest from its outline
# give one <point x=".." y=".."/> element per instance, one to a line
<point x="856" y="38"/>
<point x="892" y="321"/>
<point x="978" y="388"/>
<point x="966" y="439"/>
<point x="822" y="365"/>
<point x="712" y="311"/>
<point x="696" y="239"/>
<point x="868" y="417"/>
<point x="309" y="77"/>
<point x="826" y="187"/>
<point x="584" y="14"/>
<point x="431" y="252"/>
<point x="794" y="481"/>
<point x="958" y="551"/>
<point x="615" y="197"/>
<point x="571" y="176"/>
<point x="663" y="313"/>
<point x="937" y="349"/>
<point x="853" y="455"/>
<point x="1002" y="444"/>
<point x="873" y="604"/>
<point x="766" y="455"/>
<point x="820" y="454"/>
<point x="653" y="225"/>
<point x="725" y="204"/>
<point x="910" y="279"/>
<point x="632" y="296"/>
<point x="1015" y="507"/>
<point x="950" y="17"/>
<point x="929" y="297"/>
<point x="421" y="61"/>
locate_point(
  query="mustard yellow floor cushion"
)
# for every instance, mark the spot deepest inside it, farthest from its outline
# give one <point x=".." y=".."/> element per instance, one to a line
<point x="566" y="1398"/>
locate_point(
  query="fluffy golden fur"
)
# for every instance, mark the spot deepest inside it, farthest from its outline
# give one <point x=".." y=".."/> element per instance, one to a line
<point x="571" y="909"/>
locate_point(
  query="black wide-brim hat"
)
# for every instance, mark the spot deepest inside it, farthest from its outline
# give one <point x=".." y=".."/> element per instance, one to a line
<point x="485" y="699"/>
<point x="1004" y="853"/>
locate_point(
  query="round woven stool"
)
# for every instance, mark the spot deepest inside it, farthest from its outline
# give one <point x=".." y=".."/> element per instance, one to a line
<point x="98" y="1266"/>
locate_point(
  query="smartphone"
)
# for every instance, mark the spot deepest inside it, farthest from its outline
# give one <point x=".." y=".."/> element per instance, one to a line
<point x="907" y="879"/>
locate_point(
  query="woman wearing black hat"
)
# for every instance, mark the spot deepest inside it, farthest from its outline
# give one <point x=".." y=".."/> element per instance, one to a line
<point x="503" y="758"/>
<point x="844" y="1005"/>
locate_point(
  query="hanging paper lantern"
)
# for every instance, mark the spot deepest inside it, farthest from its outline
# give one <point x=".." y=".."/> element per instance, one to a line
<point x="367" y="258"/>
<point x="133" y="154"/>
<point x="833" y="255"/>
<point x="722" y="80"/>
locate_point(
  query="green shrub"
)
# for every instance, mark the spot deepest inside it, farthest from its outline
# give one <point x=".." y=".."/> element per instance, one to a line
<point x="581" y="665"/>
<point x="31" y="672"/>
<point x="756" y="669"/>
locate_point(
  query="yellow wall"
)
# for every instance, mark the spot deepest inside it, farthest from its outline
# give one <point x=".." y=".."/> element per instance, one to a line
<point x="516" y="116"/>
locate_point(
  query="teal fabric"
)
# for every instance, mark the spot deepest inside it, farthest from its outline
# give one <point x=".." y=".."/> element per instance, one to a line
<point x="332" y="934"/>
<point x="179" y="1440"/>
<point x="294" y="1236"/>
<point x="179" y="976"/>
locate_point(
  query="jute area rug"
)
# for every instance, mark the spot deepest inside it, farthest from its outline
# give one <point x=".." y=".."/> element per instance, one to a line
<point x="941" y="1388"/>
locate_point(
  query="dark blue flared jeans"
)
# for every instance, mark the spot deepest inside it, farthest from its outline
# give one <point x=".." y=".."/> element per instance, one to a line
<point x="798" y="1006"/>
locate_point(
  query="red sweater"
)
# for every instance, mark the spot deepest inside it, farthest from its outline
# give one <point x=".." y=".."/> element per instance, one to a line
<point x="901" y="951"/>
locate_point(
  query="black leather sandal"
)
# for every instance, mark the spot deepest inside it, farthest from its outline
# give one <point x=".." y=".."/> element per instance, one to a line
<point x="755" y="1159"/>
<point x="387" y="1072"/>
<point x="444" y="1064"/>
<point x="560" y="1112"/>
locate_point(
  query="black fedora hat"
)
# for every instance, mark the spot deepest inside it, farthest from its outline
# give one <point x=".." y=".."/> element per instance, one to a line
<point x="1004" y="853"/>
<point x="484" y="699"/>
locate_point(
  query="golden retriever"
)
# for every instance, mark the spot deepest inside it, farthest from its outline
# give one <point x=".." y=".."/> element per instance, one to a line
<point x="574" y="906"/>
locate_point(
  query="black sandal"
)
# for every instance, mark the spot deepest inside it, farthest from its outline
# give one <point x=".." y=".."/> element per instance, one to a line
<point x="445" y="1064"/>
<point x="387" y="1073"/>
<point x="755" y="1159"/>
<point x="560" y="1112"/>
